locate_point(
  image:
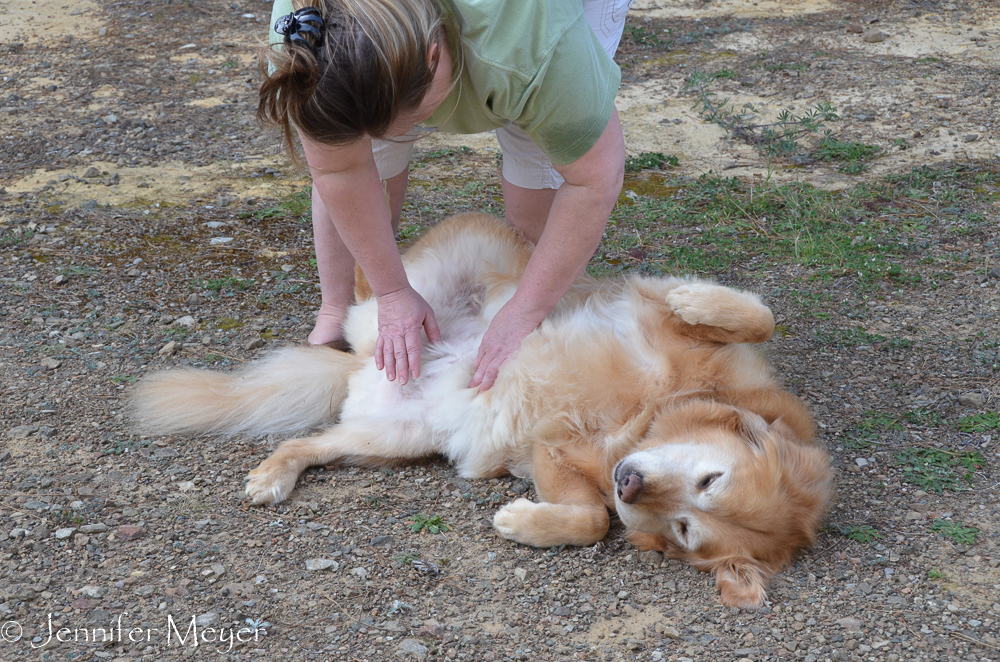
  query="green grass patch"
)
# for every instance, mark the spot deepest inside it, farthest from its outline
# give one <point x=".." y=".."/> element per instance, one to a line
<point x="225" y="284"/>
<point x="956" y="531"/>
<point x="924" y="417"/>
<point x="936" y="470"/>
<point x="650" y="161"/>
<point x="863" y="534"/>
<point x="296" y="205"/>
<point x="853" y="154"/>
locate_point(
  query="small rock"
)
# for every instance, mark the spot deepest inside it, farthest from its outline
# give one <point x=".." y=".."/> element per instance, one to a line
<point x="360" y="573"/>
<point x="187" y="322"/>
<point x="220" y="240"/>
<point x="972" y="400"/>
<point x="861" y="462"/>
<point x="322" y="564"/>
<point x="103" y="32"/>
<point x="413" y="647"/>
<point x="129" y="532"/>
<point x="875" y="37"/>
<point x="207" y="620"/>
<point x="169" y="349"/>
<point x="256" y="343"/>
<point x="91" y="173"/>
<point x="94" y="528"/>
<point x="92" y="591"/>
<point x="90" y="204"/>
<point x="855" y="29"/>
<point x="22" y="431"/>
<point x="218" y="569"/>
<point x="971" y="138"/>
<point x="62" y="534"/>
<point x="60" y="279"/>
<point x="850" y="624"/>
<point x="185" y="485"/>
<point x="193" y="300"/>
<point x="651" y="557"/>
<point x="18" y="533"/>
<point x="50" y="363"/>
<point x="995" y="273"/>
<point x="431" y="628"/>
<point x="671" y="632"/>
<point x="521" y="573"/>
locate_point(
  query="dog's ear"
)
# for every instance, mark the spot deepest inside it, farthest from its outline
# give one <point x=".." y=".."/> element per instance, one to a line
<point x="748" y="426"/>
<point x="742" y="582"/>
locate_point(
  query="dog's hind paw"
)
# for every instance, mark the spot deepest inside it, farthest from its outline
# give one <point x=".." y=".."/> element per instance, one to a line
<point x="692" y="302"/>
<point x="268" y="485"/>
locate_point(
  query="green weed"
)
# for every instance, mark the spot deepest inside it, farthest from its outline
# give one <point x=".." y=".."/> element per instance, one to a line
<point x="937" y="470"/>
<point x="925" y="417"/>
<point x="863" y="534"/>
<point x="959" y="534"/>
<point x="433" y="524"/>
<point x="225" y="284"/>
<point x="980" y="422"/>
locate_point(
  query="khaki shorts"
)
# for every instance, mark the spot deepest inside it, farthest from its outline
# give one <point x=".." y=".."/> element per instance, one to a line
<point x="524" y="164"/>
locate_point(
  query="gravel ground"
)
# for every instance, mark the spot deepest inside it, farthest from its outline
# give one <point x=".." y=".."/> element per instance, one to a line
<point x="108" y="270"/>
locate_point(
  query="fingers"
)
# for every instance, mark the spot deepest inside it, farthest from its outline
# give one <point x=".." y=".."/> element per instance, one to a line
<point x="412" y="341"/>
<point x="379" y="346"/>
<point x="490" y="375"/>
<point x="431" y="326"/>
<point x="402" y="362"/>
<point x="388" y="358"/>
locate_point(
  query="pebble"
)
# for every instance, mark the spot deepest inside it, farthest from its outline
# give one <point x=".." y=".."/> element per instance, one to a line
<point x="321" y="564"/>
<point x="50" y="363"/>
<point x="861" y="462"/>
<point x="62" y="534"/>
<point x="94" y="528"/>
<point x="220" y="240"/>
<point x="169" y="349"/>
<point x="129" y="532"/>
<point x="91" y="173"/>
<point x="256" y="343"/>
<point x="187" y="322"/>
<point x="90" y="204"/>
<point x="850" y="624"/>
<point x="207" y="620"/>
<point x="521" y="573"/>
<point x="22" y="431"/>
<point x="972" y="400"/>
<point x="875" y="37"/>
<point x="413" y="647"/>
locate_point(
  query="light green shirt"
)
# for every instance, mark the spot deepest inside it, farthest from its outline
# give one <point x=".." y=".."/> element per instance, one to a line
<point x="536" y="64"/>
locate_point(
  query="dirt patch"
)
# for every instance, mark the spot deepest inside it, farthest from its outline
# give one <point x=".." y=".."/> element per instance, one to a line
<point x="43" y="20"/>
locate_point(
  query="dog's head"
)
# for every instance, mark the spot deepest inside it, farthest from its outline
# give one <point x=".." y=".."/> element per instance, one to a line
<point x="720" y="488"/>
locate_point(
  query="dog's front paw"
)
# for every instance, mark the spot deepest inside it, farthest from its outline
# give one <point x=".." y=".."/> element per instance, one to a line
<point x="270" y="483"/>
<point x="691" y="302"/>
<point x="510" y="521"/>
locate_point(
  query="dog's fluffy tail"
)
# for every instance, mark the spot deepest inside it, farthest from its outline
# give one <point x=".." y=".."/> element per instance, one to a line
<point x="291" y="390"/>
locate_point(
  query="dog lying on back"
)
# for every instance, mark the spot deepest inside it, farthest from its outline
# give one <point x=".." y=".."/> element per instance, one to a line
<point x="635" y="394"/>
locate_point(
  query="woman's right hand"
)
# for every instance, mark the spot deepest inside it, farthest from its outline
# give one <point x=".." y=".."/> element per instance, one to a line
<point x="402" y="314"/>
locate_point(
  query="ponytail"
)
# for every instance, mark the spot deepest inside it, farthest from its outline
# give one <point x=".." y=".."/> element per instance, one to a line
<point x="370" y="66"/>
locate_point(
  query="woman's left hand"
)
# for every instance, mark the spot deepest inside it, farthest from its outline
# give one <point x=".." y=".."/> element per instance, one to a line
<point x="502" y="339"/>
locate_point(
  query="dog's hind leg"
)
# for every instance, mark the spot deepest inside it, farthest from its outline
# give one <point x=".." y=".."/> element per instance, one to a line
<point x="571" y="511"/>
<point x="720" y="314"/>
<point x="363" y="442"/>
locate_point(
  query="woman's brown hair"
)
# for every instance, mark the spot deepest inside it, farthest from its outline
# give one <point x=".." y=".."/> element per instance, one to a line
<point x="371" y="65"/>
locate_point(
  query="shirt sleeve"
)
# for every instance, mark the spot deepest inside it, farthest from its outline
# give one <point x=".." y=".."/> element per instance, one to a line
<point x="568" y="104"/>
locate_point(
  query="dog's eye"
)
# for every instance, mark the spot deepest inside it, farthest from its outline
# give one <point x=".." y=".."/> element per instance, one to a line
<point x="682" y="528"/>
<point x="708" y="480"/>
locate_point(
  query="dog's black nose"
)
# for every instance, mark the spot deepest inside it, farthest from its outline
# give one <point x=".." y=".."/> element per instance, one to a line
<point x="629" y="486"/>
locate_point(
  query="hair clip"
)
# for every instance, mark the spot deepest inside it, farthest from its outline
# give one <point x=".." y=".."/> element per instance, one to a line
<point x="303" y="26"/>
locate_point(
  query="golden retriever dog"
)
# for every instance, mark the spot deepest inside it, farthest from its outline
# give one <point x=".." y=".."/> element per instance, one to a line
<point x="636" y="394"/>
